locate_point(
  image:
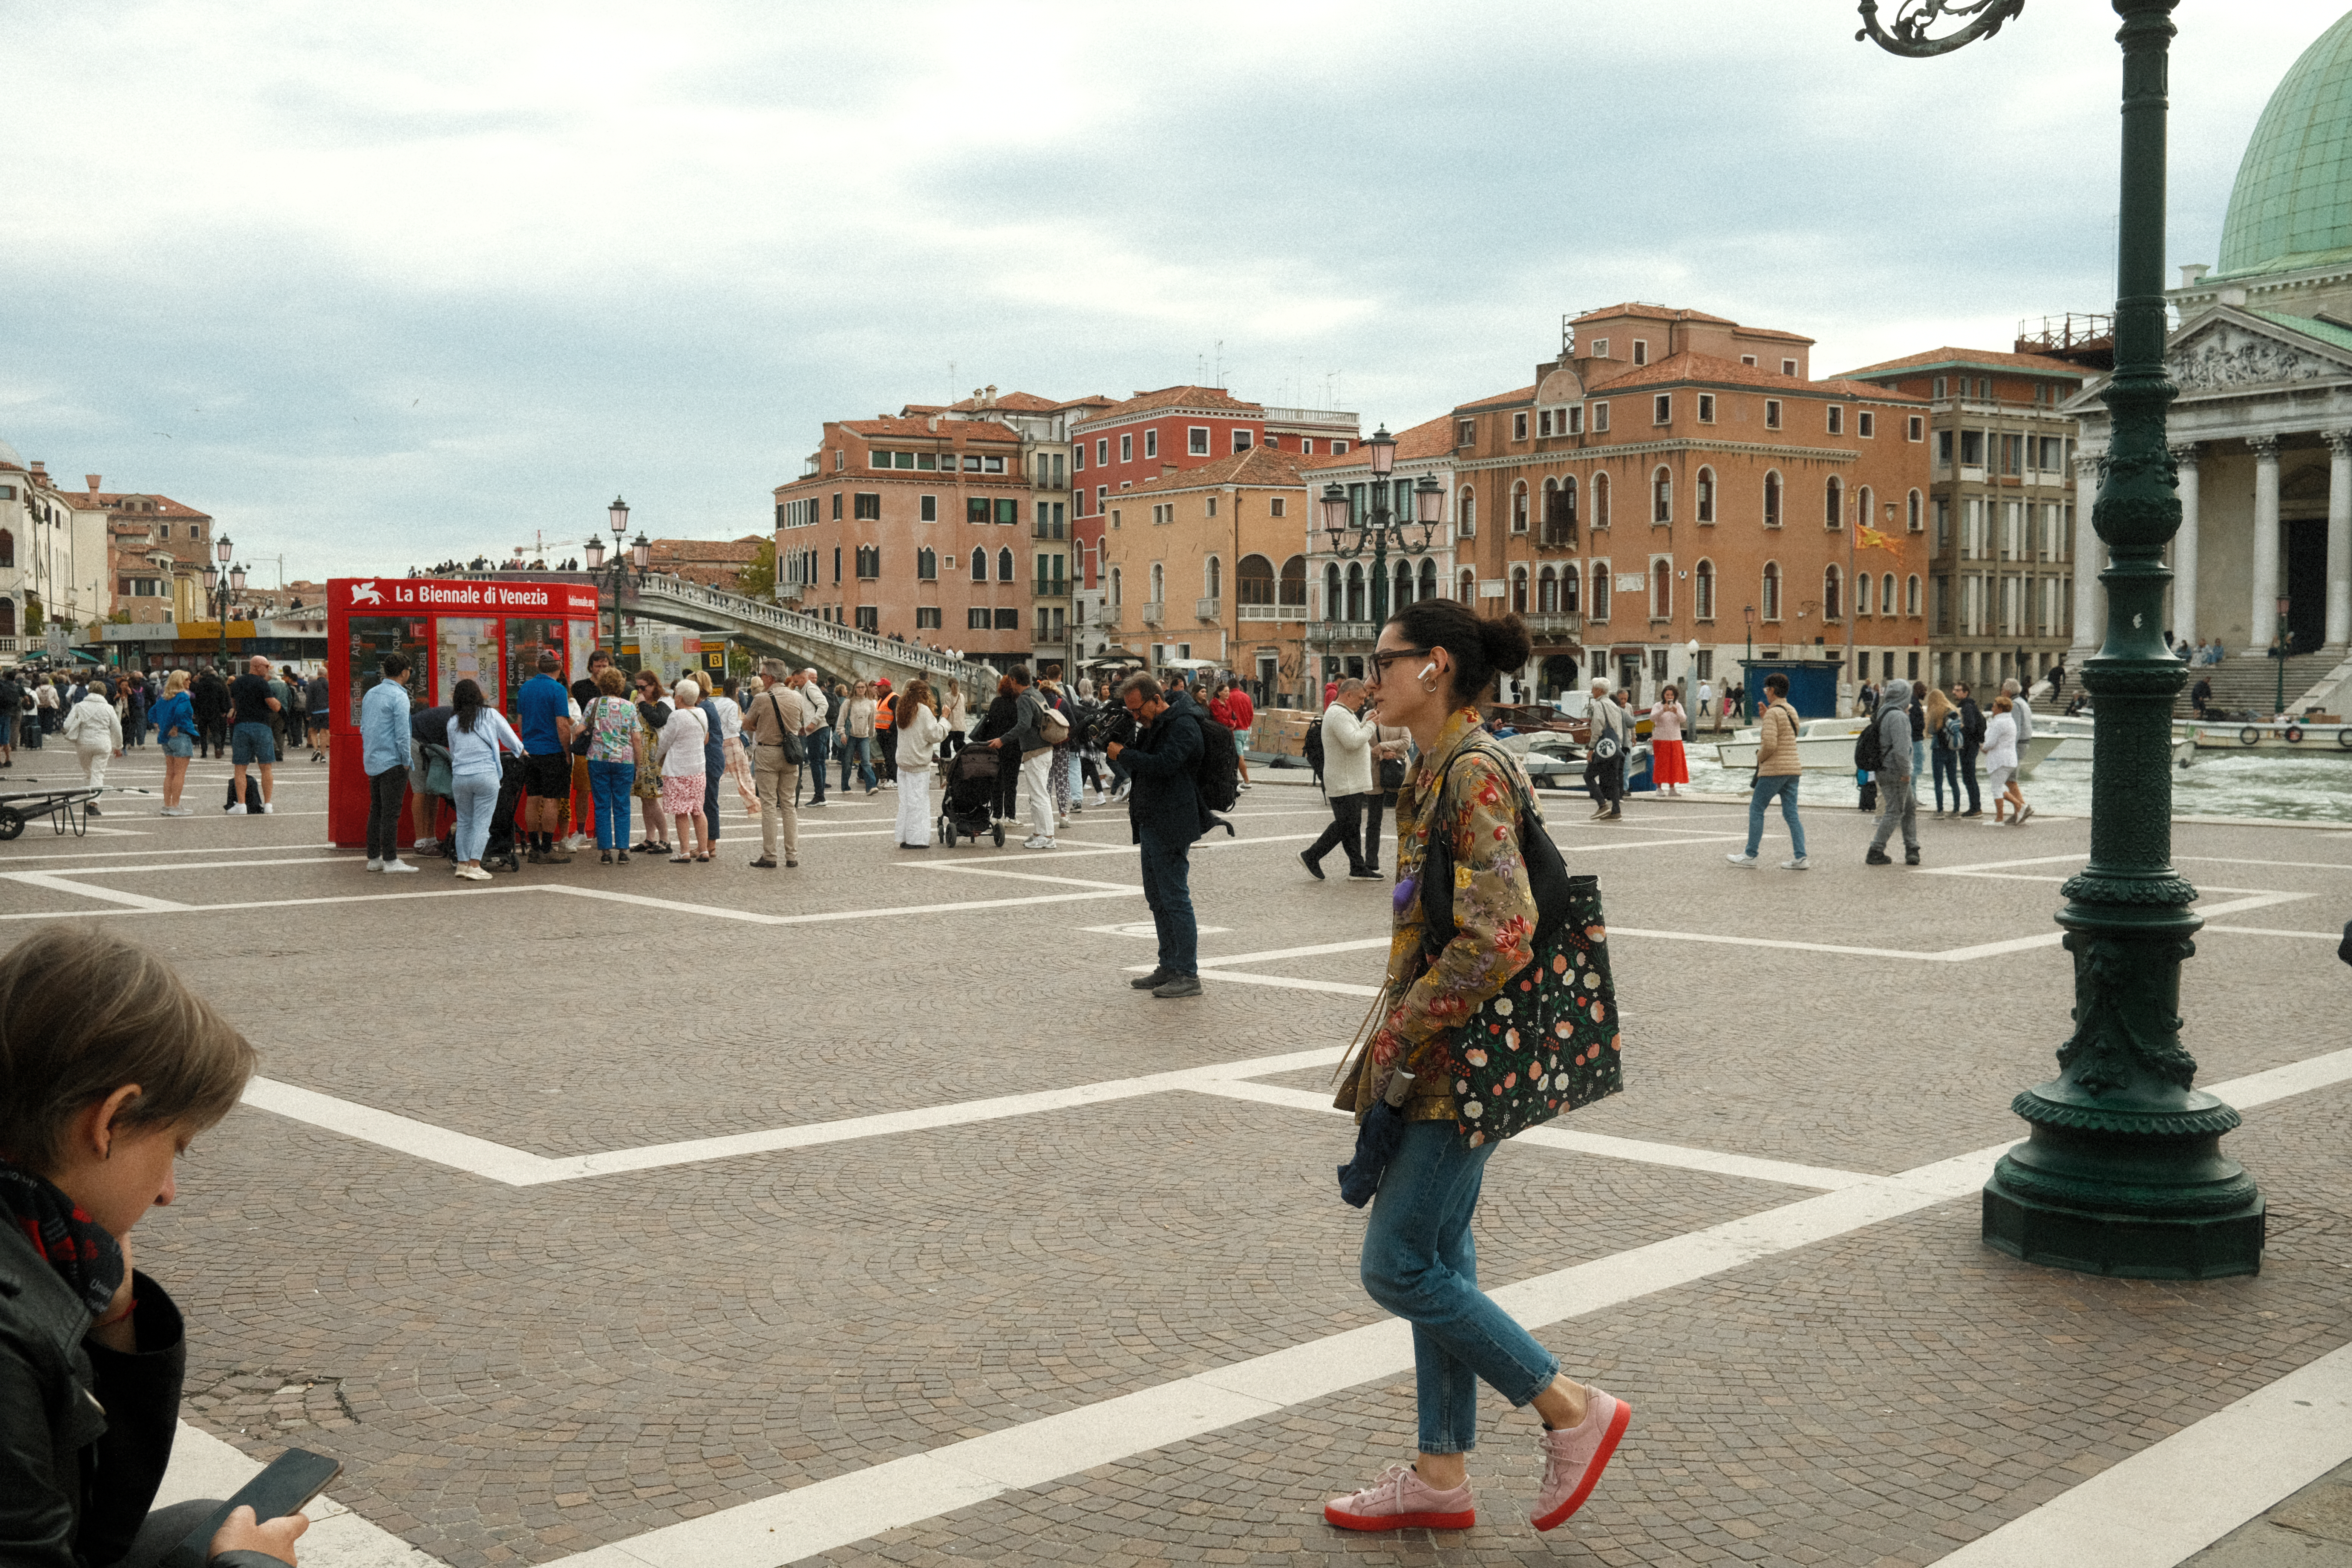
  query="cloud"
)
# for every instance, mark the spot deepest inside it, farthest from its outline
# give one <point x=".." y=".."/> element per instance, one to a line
<point x="421" y="278"/>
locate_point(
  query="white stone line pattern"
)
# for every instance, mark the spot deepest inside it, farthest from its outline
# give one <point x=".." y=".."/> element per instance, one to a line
<point x="1557" y="1136"/>
<point x="827" y="1515"/>
<point x="204" y="1466"/>
<point x="57" y="882"/>
<point x="2178" y="1495"/>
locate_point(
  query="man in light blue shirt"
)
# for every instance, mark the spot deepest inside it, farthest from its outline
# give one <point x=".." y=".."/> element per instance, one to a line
<point x="383" y="753"/>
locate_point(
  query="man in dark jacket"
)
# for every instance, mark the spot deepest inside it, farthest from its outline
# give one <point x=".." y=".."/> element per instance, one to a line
<point x="209" y="697"/>
<point x="1972" y="734"/>
<point x="1166" y="814"/>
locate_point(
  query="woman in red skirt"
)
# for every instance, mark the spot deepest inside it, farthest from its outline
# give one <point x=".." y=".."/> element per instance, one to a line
<point x="1668" y="767"/>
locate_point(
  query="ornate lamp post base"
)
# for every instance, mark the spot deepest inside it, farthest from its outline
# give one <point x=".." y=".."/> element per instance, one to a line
<point x="2137" y="1194"/>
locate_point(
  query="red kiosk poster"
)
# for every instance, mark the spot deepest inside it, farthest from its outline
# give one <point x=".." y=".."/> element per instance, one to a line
<point x="487" y="631"/>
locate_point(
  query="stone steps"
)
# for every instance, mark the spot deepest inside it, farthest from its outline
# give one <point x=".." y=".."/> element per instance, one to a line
<point x="2240" y="682"/>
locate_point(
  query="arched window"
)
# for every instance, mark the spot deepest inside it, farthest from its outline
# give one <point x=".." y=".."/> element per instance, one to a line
<point x="1911" y="521"/>
<point x="980" y="565"/>
<point x="1703" y="591"/>
<point x="1662" y="591"/>
<point x="1886" y="595"/>
<point x="1356" y="611"/>
<point x="1253" y="581"/>
<point x="1866" y="499"/>
<point x="1550" y="505"/>
<point x="1519" y="590"/>
<point x="1465" y="588"/>
<point x="7" y="617"/>
<point x="1571" y="599"/>
<point x="1833" y="503"/>
<point x="927" y="564"/>
<point x="1862" y="595"/>
<point x="1333" y="604"/>
<point x="1561" y="529"/>
<point x="1428" y="578"/>
<point x="1772" y="499"/>
<point x="1159" y="584"/>
<point x="1547" y="592"/>
<point x="1469" y="512"/>
<point x="1004" y="566"/>
<point x="1212" y="579"/>
<point x="1662" y="495"/>
<point x="1833" y="595"/>
<point x="1291" y="593"/>
<point x="1599" y="581"/>
<point x="1115" y="585"/>
<point x="1601" y="500"/>
<point x="1401" y="595"/>
<point x="1911" y="595"/>
<point x="8" y="548"/>
<point x="1707" y="495"/>
<point x="1772" y="590"/>
<point x="1519" y="507"/>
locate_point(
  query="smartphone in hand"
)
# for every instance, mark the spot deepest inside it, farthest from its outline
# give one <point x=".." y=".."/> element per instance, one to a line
<point x="286" y="1485"/>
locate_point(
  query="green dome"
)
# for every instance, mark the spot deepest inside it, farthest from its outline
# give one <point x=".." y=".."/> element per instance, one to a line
<point x="2292" y="206"/>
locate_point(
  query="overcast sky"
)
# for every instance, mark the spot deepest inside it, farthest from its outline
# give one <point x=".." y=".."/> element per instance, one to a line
<point x="378" y="285"/>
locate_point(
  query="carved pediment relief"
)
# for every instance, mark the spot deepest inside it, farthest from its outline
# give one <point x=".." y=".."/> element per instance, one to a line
<point x="2229" y="354"/>
<point x="1562" y="386"/>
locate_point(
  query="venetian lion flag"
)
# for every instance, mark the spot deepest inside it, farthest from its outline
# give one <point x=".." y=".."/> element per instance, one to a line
<point x="1869" y="538"/>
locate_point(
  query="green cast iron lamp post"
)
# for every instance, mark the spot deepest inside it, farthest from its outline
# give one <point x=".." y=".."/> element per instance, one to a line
<point x="1380" y="524"/>
<point x="2280" y="647"/>
<point x="2123" y="1173"/>
<point x="635" y="555"/>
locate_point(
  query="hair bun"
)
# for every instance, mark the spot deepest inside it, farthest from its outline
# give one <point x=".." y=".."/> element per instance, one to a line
<point x="1506" y="642"/>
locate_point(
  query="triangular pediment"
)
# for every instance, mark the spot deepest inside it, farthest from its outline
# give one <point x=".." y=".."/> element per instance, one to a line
<point x="2227" y="348"/>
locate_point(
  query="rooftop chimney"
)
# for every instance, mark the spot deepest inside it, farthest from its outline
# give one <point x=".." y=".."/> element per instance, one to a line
<point x="2190" y="274"/>
<point x="93" y="482"/>
<point x="40" y="468"/>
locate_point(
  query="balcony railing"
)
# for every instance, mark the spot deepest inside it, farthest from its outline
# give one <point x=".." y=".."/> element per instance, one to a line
<point x="1554" y="624"/>
<point x="1108" y="617"/>
<point x="1209" y="608"/>
<point x="1273" y="612"/>
<point x="1328" y="633"/>
<point x="1053" y="588"/>
<point x="788" y="593"/>
<point x="1153" y="611"/>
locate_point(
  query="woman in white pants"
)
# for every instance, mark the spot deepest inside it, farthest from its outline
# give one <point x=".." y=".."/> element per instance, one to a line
<point x="96" y="731"/>
<point x="917" y="729"/>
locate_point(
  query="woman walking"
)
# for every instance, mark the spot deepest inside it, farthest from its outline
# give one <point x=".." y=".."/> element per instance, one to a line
<point x="652" y="712"/>
<point x="612" y="725"/>
<point x="1434" y="663"/>
<point x="96" y="731"/>
<point x="683" y="772"/>
<point x="858" y="726"/>
<point x="919" y="729"/>
<point x="2000" y="764"/>
<point x="1944" y="746"/>
<point x="477" y="735"/>
<point x="1669" y="768"/>
<point x="738" y="758"/>
<point x="175" y="729"/>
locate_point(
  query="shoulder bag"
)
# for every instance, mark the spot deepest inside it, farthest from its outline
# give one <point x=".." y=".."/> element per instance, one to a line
<point x="1606" y="746"/>
<point x="1549" y="1040"/>
<point x="793" y="752"/>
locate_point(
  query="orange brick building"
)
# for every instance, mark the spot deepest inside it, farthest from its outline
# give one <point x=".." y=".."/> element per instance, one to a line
<point x="1675" y="476"/>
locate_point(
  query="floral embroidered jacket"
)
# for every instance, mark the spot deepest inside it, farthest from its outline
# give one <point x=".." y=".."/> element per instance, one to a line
<point x="1494" y="916"/>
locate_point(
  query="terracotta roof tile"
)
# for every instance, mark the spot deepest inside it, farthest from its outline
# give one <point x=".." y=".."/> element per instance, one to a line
<point x="1430" y="438"/>
<point x="1987" y="359"/>
<point x="1499" y="400"/>
<point x="1179" y="397"/>
<point x="165" y="507"/>
<point x="1654" y="313"/>
<point x="1018" y="402"/>
<point x="1687" y="366"/>
<point x="1259" y="466"/>
<point x="969" y="429"/>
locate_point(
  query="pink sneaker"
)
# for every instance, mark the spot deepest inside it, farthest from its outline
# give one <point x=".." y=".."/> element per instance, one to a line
<point x="1400" y="1499"/>
<point x="1575" y="1456"/>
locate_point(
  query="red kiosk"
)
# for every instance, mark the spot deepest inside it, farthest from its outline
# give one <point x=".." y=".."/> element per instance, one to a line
<point x="489" y="632"/>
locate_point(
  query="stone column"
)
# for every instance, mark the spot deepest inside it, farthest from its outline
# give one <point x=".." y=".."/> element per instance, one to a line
<point x="2184" y="549"/>
<point x="2339" y="543"/>
<point x="2090" y="555"/>
<point x="2266" y="546"/>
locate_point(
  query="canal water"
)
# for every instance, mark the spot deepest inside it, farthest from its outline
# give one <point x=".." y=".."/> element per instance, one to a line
<point x="2294" y="788"/>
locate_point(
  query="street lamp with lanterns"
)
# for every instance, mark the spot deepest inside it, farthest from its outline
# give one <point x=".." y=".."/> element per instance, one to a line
<point x="222" y="583"/>
<point x="2280" y="646"/>
<point x="637" y="554"/>
<point x="2124" y="1172"/>
<point x="1379" y="525"/>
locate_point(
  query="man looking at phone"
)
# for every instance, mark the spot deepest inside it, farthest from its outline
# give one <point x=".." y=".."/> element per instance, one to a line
<point x="1166" y="815"/>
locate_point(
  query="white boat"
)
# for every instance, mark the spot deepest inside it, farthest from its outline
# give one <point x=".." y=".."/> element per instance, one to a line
<point x="2284" y="735"/>
<point x="2075" y="736"/>
<point x="1826" y="746"/>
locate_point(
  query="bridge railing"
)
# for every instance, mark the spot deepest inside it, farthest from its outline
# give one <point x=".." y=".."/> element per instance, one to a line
<point x="679" y="590"/>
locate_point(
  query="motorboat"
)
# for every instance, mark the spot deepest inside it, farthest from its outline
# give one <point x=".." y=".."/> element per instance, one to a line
<point x="1826" y="746"/>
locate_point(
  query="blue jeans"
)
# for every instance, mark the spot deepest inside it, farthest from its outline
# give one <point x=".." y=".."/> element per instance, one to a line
<point x="1948" y="766"/>
<point x="819" y="747"/>
<point x="608" y="791"/>
<point x="1767" y="785"/>
<point x="476" y="798"/>
<point x="1421" y="1262"/>
<point x="857" y="750"/>
<point x="1919" y="762"/>
<point x="1167" y="888"/>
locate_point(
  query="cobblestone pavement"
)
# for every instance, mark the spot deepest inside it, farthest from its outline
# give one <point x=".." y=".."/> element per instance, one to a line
<point x="522" y="1355"/>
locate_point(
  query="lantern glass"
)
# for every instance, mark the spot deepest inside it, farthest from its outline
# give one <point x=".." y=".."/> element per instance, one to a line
<point x="595" y="554"/>
<point x="237" y="579"/>
<point x="222" y="549"/>
<point x="212" y="578"/>
<point x="1383" y="449"/>
<point x="618" y="513"/>
<point x="1335" y="511"/>
<point x="1429" y="502"/>
<point x="640" y="553"/>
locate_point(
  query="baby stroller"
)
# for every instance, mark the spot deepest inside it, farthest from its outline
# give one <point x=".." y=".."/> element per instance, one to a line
<point x="968" y="804"/>
<point x="501" y="852"/>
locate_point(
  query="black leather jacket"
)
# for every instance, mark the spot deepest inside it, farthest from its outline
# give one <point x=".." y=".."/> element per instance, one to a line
<point x="85" y="1432"/>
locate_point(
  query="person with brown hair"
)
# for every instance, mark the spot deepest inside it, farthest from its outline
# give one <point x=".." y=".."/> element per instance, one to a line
<point x="1434" y="664"/>
<point x="918" y="730"/>
<point x="109" y="1067"/>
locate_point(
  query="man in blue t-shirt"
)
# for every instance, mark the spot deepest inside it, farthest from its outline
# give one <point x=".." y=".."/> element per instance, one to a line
<point x="543" y="709"/>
